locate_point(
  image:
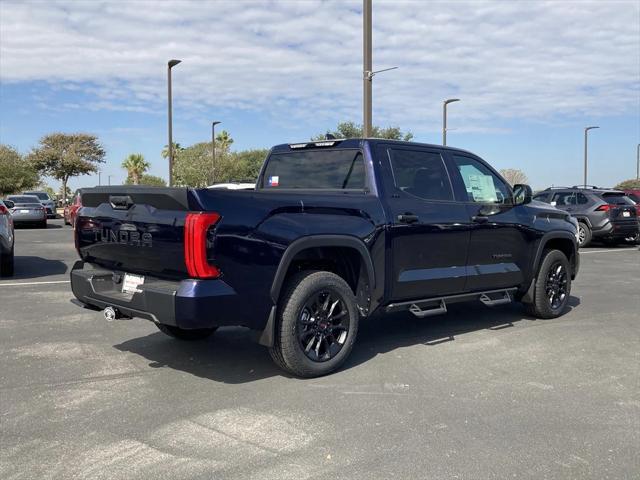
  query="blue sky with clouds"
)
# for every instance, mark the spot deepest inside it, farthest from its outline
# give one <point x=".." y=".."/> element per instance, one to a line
<point x="530" y="75"/>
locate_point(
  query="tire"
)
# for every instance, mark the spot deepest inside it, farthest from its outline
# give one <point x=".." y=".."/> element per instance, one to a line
<point x="548" y="278"/>
<point x="183" y="334"/>
<point x="7" y="264"/>
<point x="329" y="337"/>
<point x="584" y="235"/>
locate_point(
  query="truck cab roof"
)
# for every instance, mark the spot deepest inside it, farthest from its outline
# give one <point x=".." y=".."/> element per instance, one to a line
<point x="355" y="143"/>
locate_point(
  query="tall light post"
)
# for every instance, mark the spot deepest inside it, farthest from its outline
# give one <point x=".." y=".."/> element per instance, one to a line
<point x="99" y="174"/>
<point x="170" y="65"/>
<point x="367" y="62"/>
<point x="109" y="179"/>
<point x="586" y="130"/>
<point x="444" y="118"/>
<point x="213" y="150"/>
<point x="638" y="163"/>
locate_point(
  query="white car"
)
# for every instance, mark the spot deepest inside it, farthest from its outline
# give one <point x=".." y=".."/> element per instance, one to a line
<point x="234" y="186"/>
<point x="7" y="240"/>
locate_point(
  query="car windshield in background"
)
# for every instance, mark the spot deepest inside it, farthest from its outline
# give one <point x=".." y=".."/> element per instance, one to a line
<point x="615" y="198"/>
<point x="23" y="199"/>
<point x="41" y="196"/>
<point x="315" y="169"/>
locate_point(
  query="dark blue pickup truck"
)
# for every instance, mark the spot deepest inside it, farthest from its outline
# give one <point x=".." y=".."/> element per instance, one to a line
<point x="334" y="231"/>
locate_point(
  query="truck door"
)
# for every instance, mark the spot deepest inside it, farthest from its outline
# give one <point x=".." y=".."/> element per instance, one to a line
<point x="500" y="243"/>
<point x="429" y="230"/>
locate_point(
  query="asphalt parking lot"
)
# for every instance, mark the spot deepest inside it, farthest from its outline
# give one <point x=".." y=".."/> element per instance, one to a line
<point x="476" y="394"/>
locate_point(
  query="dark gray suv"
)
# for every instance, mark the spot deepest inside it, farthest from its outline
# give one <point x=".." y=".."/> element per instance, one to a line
<point x="603" y="214"/>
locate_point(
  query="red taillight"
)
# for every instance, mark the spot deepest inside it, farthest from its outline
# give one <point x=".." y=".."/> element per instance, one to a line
<point x="195" y="244"/>
<point x="603" y="208"/>
<point x="4" y="210"/>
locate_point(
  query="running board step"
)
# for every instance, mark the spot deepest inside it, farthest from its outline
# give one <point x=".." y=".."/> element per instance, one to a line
<point x="427" y="312"/>
<point x="493" y="302"/>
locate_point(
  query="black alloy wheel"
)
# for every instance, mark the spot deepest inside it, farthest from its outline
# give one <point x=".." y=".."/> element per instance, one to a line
<point x="556" y="285"/>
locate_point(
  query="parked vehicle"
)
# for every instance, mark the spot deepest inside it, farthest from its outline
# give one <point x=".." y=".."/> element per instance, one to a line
<point x="633" y="195"/>
<point x="27" y="210"/>
<point x="7" y="239"/>
<point x="71" y="209"/>
<point x="48" y="203"/>
<point x="604" y="214"/>
<point x="334" y="231"/>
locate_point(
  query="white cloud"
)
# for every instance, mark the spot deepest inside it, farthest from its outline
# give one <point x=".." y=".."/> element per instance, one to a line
<point x="301" y="61"/>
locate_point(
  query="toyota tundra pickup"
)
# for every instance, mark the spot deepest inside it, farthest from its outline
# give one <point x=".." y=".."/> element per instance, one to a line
<point x="334" y="231"/>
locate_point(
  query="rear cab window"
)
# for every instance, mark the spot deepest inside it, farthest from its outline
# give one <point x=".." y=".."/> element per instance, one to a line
<point x="315" y="170"/>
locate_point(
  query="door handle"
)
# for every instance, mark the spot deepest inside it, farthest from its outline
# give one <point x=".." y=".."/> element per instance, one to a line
<point x="407" y="218"/>
<point x="479" y="219"/>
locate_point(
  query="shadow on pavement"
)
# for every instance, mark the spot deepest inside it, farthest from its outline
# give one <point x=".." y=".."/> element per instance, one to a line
<point x="34" y="267"/>
<point x="37" y="227"/>
<point x="232" y="356"/>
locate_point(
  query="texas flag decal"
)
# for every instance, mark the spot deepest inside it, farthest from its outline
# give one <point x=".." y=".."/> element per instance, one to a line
<point x="273" y="181"/>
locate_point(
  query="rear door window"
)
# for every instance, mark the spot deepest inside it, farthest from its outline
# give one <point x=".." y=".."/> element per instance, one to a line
<point x="563" y="199"/>
<point x="420" y="173"/>
<point x="315" y="170"/>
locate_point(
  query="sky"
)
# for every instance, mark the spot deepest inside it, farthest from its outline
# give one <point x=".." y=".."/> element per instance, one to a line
<point x="530" y="75"/>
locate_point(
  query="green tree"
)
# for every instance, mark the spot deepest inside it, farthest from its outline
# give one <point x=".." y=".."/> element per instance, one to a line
<point x="176" y="148"/>
<point x="353" y="130"/>
<point x="632" y="184"/>
<point x="16" y="172"/>
<point x="66" y="155"/>
<point x="223" y="142"/>
<point x="192" y="165"/>
<point x="146" y="179"/>
<point x="136" y="166"/>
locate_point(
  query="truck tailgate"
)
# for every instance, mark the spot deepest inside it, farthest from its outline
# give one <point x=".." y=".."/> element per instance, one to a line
<point x="135" y="229"/>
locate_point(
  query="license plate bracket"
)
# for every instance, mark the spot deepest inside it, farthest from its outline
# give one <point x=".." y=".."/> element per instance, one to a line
<point x="131" y="282"/>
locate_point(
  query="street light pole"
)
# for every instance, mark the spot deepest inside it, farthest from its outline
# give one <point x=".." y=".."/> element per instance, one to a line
<point x="170" y="65"/>
<point x="99" y="182"/>
<point x="444" y="118"/>
<point x="213" y="150"/>
<point x="638" y="163"/>
<point x="367" y="62"/>
<point x="586" y="130"/>
<point x="109" y="179"/>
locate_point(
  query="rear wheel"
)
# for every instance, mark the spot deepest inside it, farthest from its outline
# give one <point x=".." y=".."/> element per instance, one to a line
<point x="584" y="234"/>
<point x="317" y="324"/>
<point x="184" y="334"/>
<point x="552" y="286"/>
<point x="6" y="263"/>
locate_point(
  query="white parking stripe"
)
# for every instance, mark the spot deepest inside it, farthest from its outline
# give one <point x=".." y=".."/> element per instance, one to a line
<point x="608" y="251"/>
<point x="32" y="283"/>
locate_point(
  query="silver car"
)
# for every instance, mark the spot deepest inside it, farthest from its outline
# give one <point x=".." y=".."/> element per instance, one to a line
<point x="27" y="209"/>
<point x="6" y="241"/>
<point x="45" y="200"/>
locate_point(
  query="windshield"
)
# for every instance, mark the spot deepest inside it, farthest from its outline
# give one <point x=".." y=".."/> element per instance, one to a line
<point x="40" y="195"/>
<point x="315" y="169"/>
<point x="24" y="199"/>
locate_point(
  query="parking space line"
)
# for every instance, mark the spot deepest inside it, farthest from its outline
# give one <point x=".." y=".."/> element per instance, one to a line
<point x="32" y="283"/>
<point x="609" y="251"/>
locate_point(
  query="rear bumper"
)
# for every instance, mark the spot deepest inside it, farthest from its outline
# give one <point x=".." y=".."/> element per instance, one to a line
<point x="28" y="218"/>
<point x="187" y="304"/>
<point x="618" y="230"/>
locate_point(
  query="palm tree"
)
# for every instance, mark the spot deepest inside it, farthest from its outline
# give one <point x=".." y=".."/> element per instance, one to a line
<point x="135" y="165"/>
<point x="223" y="141"/>
<point x="165" y="150"/>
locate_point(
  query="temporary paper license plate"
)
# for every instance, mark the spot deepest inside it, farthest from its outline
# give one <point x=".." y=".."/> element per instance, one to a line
<point x="25" y="211"/>
<point x="626" y="214"/>
<point x="131" y="282"/>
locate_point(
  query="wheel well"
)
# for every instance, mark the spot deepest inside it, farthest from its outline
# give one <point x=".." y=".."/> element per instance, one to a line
<point x="565" y="246"/>
<point x="346" y="262"/>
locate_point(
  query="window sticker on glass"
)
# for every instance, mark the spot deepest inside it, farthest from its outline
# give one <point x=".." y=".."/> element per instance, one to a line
<point x="274" y="181"/>
<point x="480" y="186"/>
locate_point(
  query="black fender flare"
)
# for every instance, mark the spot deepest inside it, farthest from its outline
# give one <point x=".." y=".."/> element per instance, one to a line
<point x="312" y="241"/>
<point x="528" y="296"/>
<point x="584" y="219"/>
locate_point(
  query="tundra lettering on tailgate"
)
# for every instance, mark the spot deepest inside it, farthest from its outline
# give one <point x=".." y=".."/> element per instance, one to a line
<point x="123" y="237"/>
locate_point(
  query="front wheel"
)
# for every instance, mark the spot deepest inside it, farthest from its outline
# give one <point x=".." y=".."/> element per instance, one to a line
<point x="183" y="334"/>
<point x="552" y="286"/>
<point x="317" y="324"/>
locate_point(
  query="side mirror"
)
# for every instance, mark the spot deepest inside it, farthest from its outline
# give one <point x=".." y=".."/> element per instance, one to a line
<point x="522" y="194"/>
<point x="9" y="203"/>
